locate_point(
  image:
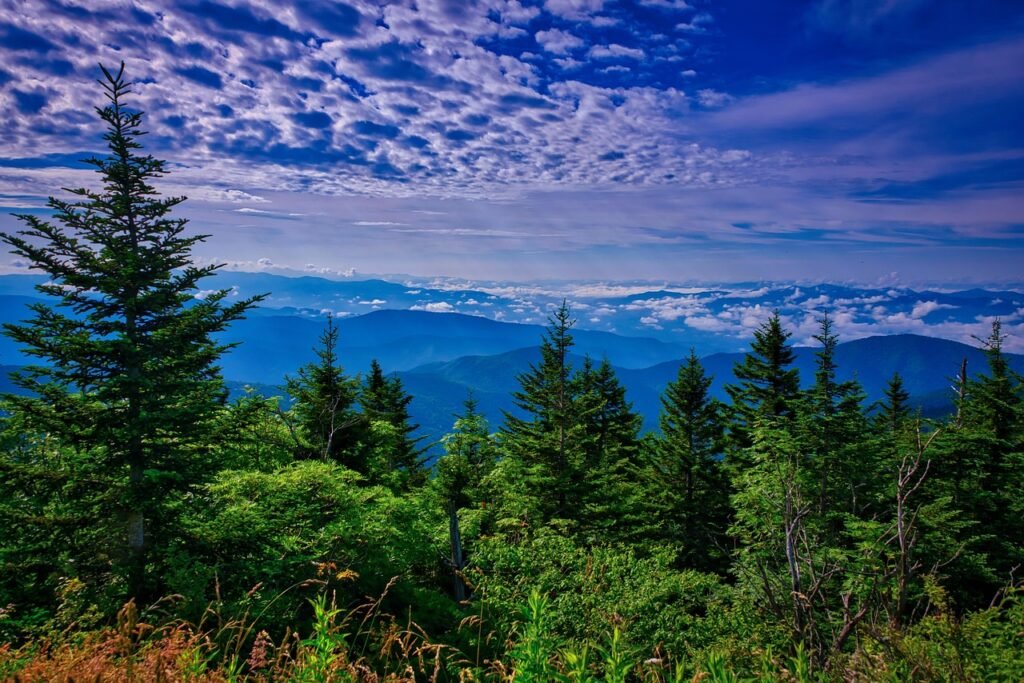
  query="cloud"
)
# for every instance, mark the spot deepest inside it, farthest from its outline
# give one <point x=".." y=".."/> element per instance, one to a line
<point x="614" y="51"/>
<point x="557" y="41"/>
<point x="573" y="9"/>
<point x="923" y="308"/>
<point x="712" y="98"/>
<point x="434" y="307"/>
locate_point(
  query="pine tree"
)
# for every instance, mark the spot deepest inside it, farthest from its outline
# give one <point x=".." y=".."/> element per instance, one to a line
<point x="545" y="441"/>
<point x="128" y="361"/>
<point x="768" y="388"/>
<point x="687" y="492"/>
<point x="385" y="407"/>
<point x="328" y="426"/>
<point x="609" y="431"/>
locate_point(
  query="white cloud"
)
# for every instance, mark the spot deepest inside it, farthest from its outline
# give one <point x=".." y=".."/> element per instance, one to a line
<point x="434" y="307"/>
<point x="557" y="41"/>
<point x="712" y="98"/>
<point x="923" y="308"/>
<point x="573" y="9"/>
<point x="615" y="50"/>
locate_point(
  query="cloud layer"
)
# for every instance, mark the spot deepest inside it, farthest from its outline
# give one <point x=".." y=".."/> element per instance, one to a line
<point x="538" y="137"/>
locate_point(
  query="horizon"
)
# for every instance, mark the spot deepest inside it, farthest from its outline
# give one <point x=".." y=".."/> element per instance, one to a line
<point x="565" y="140"/>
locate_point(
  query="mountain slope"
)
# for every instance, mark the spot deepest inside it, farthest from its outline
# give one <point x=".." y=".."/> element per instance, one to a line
<point x="926" y="364"/>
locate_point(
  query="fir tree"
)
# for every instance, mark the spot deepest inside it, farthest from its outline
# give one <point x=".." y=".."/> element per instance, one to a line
<point x="768" y="388"/>
<point x="834" y="425"/>
<point x="609" y="431"/>
<point x="688" y="493"/>
<point x="328" y="426"/>
<point x="893" y="411"/>
<point x="385" y="403"/>
<point x="469" y="458"/>
<point x="128" y="372"/>
<point x="545" y="441"/>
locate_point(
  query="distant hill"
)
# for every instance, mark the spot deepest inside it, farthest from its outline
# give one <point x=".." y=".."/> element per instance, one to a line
<point x="927" y="365"/>
<point x="439" y="388"/>
<point x="271" y="346"/>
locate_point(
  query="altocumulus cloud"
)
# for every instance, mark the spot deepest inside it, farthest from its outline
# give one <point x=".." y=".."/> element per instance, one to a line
<point x="336" y="97"/>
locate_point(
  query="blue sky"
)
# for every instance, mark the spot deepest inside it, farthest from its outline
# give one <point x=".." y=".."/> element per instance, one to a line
<point x="872" y="141"/>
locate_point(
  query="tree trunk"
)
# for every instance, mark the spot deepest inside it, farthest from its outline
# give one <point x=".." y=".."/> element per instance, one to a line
<point x="458" y="586"/>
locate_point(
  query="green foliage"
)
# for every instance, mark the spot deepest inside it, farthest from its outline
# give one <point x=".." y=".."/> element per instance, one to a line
<point x="326" y="423"/>
<point x="592" y="589"/>
<point x="384" y="401"/>
<point x="127" y="374"/>
<point x="305" y="526"/>
<point x="685" y="490"/>
<point x="768" y="388"/>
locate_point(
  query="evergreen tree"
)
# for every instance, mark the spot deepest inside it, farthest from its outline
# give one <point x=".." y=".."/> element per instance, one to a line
<point x="128" y="373"/>
<point x="893" y="411"/>
<point x="328" y="426"/>
<point x="768" y="387"/>
<point x="469" y="458"/>
<point x="835" y="427"/>
<point x="546" y="440"/>
<point x="385" y="407"/>
<point x="687" y="492"/>
<point x="983" y="464"/>
<point x="609" y="431"/>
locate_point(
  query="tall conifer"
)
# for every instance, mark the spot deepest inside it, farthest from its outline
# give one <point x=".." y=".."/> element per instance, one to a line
<point x="127" y="356"/>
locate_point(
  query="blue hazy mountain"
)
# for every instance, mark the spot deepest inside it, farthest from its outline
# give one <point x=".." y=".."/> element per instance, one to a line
<point x="928" y="367"/>
<point x="710" y="318"/>
<point x="445" y="337"/>
<point x="271" y="346"/>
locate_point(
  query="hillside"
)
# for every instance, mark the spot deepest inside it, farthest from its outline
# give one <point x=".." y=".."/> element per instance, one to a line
<point x="926" y="364"/>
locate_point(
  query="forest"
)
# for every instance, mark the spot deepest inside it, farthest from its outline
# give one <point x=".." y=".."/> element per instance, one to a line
<point x="152" y="529"/>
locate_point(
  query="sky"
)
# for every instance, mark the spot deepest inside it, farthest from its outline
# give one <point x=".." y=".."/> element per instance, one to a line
<point x="869" y="141"/>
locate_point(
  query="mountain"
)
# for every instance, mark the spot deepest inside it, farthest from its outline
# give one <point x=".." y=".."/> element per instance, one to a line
<point x="271" y="346"/>
<point x="928" y="366"/>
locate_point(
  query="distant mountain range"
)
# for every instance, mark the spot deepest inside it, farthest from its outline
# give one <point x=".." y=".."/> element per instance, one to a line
<point x="928" y="367"/>
<point x="413" y="330"/>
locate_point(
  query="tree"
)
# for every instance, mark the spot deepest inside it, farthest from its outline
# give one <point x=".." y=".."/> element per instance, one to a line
<point x="385" y="406"/>
<point x="687" y="492"/>
<point x="768" y="388"/>
<point x="469" y="458"/>
<point x="894" y="412"/>
<point x="128" y="360"/>
<point x="328" y="426"/>
<point x="608" y="439"/>
<point x="544" y="440"/>
<point x="835" y="427"/>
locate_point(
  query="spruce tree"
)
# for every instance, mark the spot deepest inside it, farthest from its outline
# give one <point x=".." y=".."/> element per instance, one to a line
<point x="127" y="354"/>
<point x="609" y="431"/>
<point x="328" y="426"/>
<point x="893" y="411"/>
<point x="469" y="457"/>
<point x="385" y="403"/>
<point x="545" y="441"/>
<point x="687" y="492"/>
<point x="835" y="426"/>
<point x="768" y="387"/>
